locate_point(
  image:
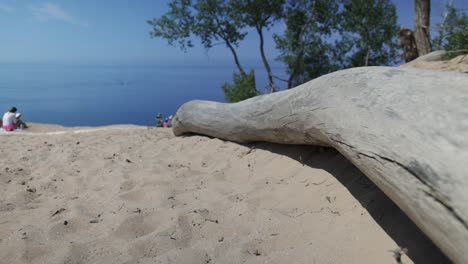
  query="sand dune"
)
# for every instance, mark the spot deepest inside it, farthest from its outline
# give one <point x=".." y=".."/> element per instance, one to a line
<point x="437" y="61"/>
<point x="129" y="194"/>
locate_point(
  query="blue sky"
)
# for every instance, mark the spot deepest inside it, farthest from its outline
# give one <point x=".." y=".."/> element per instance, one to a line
<point x="115" y="31"/>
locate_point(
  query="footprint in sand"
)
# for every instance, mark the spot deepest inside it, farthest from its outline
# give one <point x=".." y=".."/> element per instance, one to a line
<point x="7" y="207"/>
<point x="253" y="248"/>
<point x="33" y="249"/>
<point x="137" y="226"/>
<point x="126" y="191"/>
<point x="27" y="199"/>
<point x="78" y="254"/>
<point x="153" y="245"/>
<point x="127" y="186"/>
<point x="32" y="254"/>
<point x="133" y="196"/>
<point x="181" y="232"/>
<point x="64" y="228"/>
<point x="186" y="255"/>
<point x="186" y="225"/>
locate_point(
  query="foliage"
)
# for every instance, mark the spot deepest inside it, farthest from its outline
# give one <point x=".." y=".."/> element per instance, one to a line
<point x="260" y="14"/>
<point x="210" y="20"/>
<point x="320" y="36"/>
<point x="371" y="26"/>
<point x="217" y="20"/>
<point x="301" y="47"/>
<point x="243" y="88"/>
<point x="453" y="31"/>
<point x="458" y="43"/>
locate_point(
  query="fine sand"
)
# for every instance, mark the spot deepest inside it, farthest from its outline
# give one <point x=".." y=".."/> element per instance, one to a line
<point x="457" y="64"/>
<point x="129" y="194"/>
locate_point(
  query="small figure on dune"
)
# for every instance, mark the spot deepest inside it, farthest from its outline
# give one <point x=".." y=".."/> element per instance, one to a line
<point x="159" y="121"/>
<point x="11" y="120"/>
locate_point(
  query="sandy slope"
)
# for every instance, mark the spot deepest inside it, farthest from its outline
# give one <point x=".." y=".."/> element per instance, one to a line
<point x="127" y="194"/>
<point x="458" y="64"/>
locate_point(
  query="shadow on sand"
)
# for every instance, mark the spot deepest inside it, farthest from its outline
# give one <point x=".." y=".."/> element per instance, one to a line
<point x="388" y="215"/>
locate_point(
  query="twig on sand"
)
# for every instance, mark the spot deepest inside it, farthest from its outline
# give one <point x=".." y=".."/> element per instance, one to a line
<point x="318" y="183"/>
<point x="58" y="211"/>
<point x="398" y="253"/>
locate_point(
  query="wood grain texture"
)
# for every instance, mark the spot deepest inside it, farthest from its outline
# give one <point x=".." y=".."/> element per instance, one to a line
<point x="406" y="129"/>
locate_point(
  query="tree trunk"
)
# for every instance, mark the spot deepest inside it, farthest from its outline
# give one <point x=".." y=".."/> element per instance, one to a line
<point x="241" y="70"/>
<point x="421" y="26"/>
<point x="299" y="57"/>
<point x="366" y="63"/>
<point x="265" y="62"/>
<point x="297" y="65"/>
<point x="236" y="59"/>
<point x="405" y="129"/>
<point x="254" y="84"/>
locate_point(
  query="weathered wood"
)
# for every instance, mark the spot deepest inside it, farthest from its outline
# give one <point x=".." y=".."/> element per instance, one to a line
<point x="406" y="129"/>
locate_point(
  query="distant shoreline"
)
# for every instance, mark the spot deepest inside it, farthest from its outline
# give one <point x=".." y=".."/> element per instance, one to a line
<point x="42" y="128"/>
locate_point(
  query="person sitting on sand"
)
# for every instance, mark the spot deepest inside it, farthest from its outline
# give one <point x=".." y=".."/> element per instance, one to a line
<point x="20" y="123"/>
<point x="159" y="122"/>
<point x="166" y="123"/>
<point x="11" y="120"/>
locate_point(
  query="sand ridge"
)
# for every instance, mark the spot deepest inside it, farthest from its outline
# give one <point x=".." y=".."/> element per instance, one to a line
<point x="129" y="194"/>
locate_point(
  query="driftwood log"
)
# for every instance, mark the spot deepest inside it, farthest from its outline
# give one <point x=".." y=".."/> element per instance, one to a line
<point x="406" y="129"/>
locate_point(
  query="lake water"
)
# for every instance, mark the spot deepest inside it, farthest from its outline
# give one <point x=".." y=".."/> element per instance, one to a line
<point x="92" y="95"/>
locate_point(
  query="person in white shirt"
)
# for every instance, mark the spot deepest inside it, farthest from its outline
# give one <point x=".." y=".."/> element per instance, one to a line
<point x="9" y="120"/>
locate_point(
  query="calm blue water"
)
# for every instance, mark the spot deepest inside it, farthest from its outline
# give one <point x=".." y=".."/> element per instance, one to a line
<point x="87" y="95"/>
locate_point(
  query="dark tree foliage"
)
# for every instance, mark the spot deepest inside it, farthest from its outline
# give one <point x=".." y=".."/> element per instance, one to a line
<point x="302" y="47"/>
<point x="176" y="25"/>
<point x="241" y="89"/>
<point x="371" y="26"/>
<point x="321" y="36"/>
<point x="212" y="21"/>
<point x="215" y="21"/>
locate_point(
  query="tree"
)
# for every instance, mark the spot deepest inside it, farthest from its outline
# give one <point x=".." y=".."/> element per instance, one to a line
<point x="453" y="31"/>
<point x="218" y="20"/>
<point x="302" y="47"/>
<point x="210" y="20"/>
<point x="421" y="26"/>
<point x="444" y="27"/>
<point x="458" y="41"/>
<point x="241" y="89"/>
<point x="260" y="14"/>
<point x="371" y="26"/>
<point x="312" y="45"/>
